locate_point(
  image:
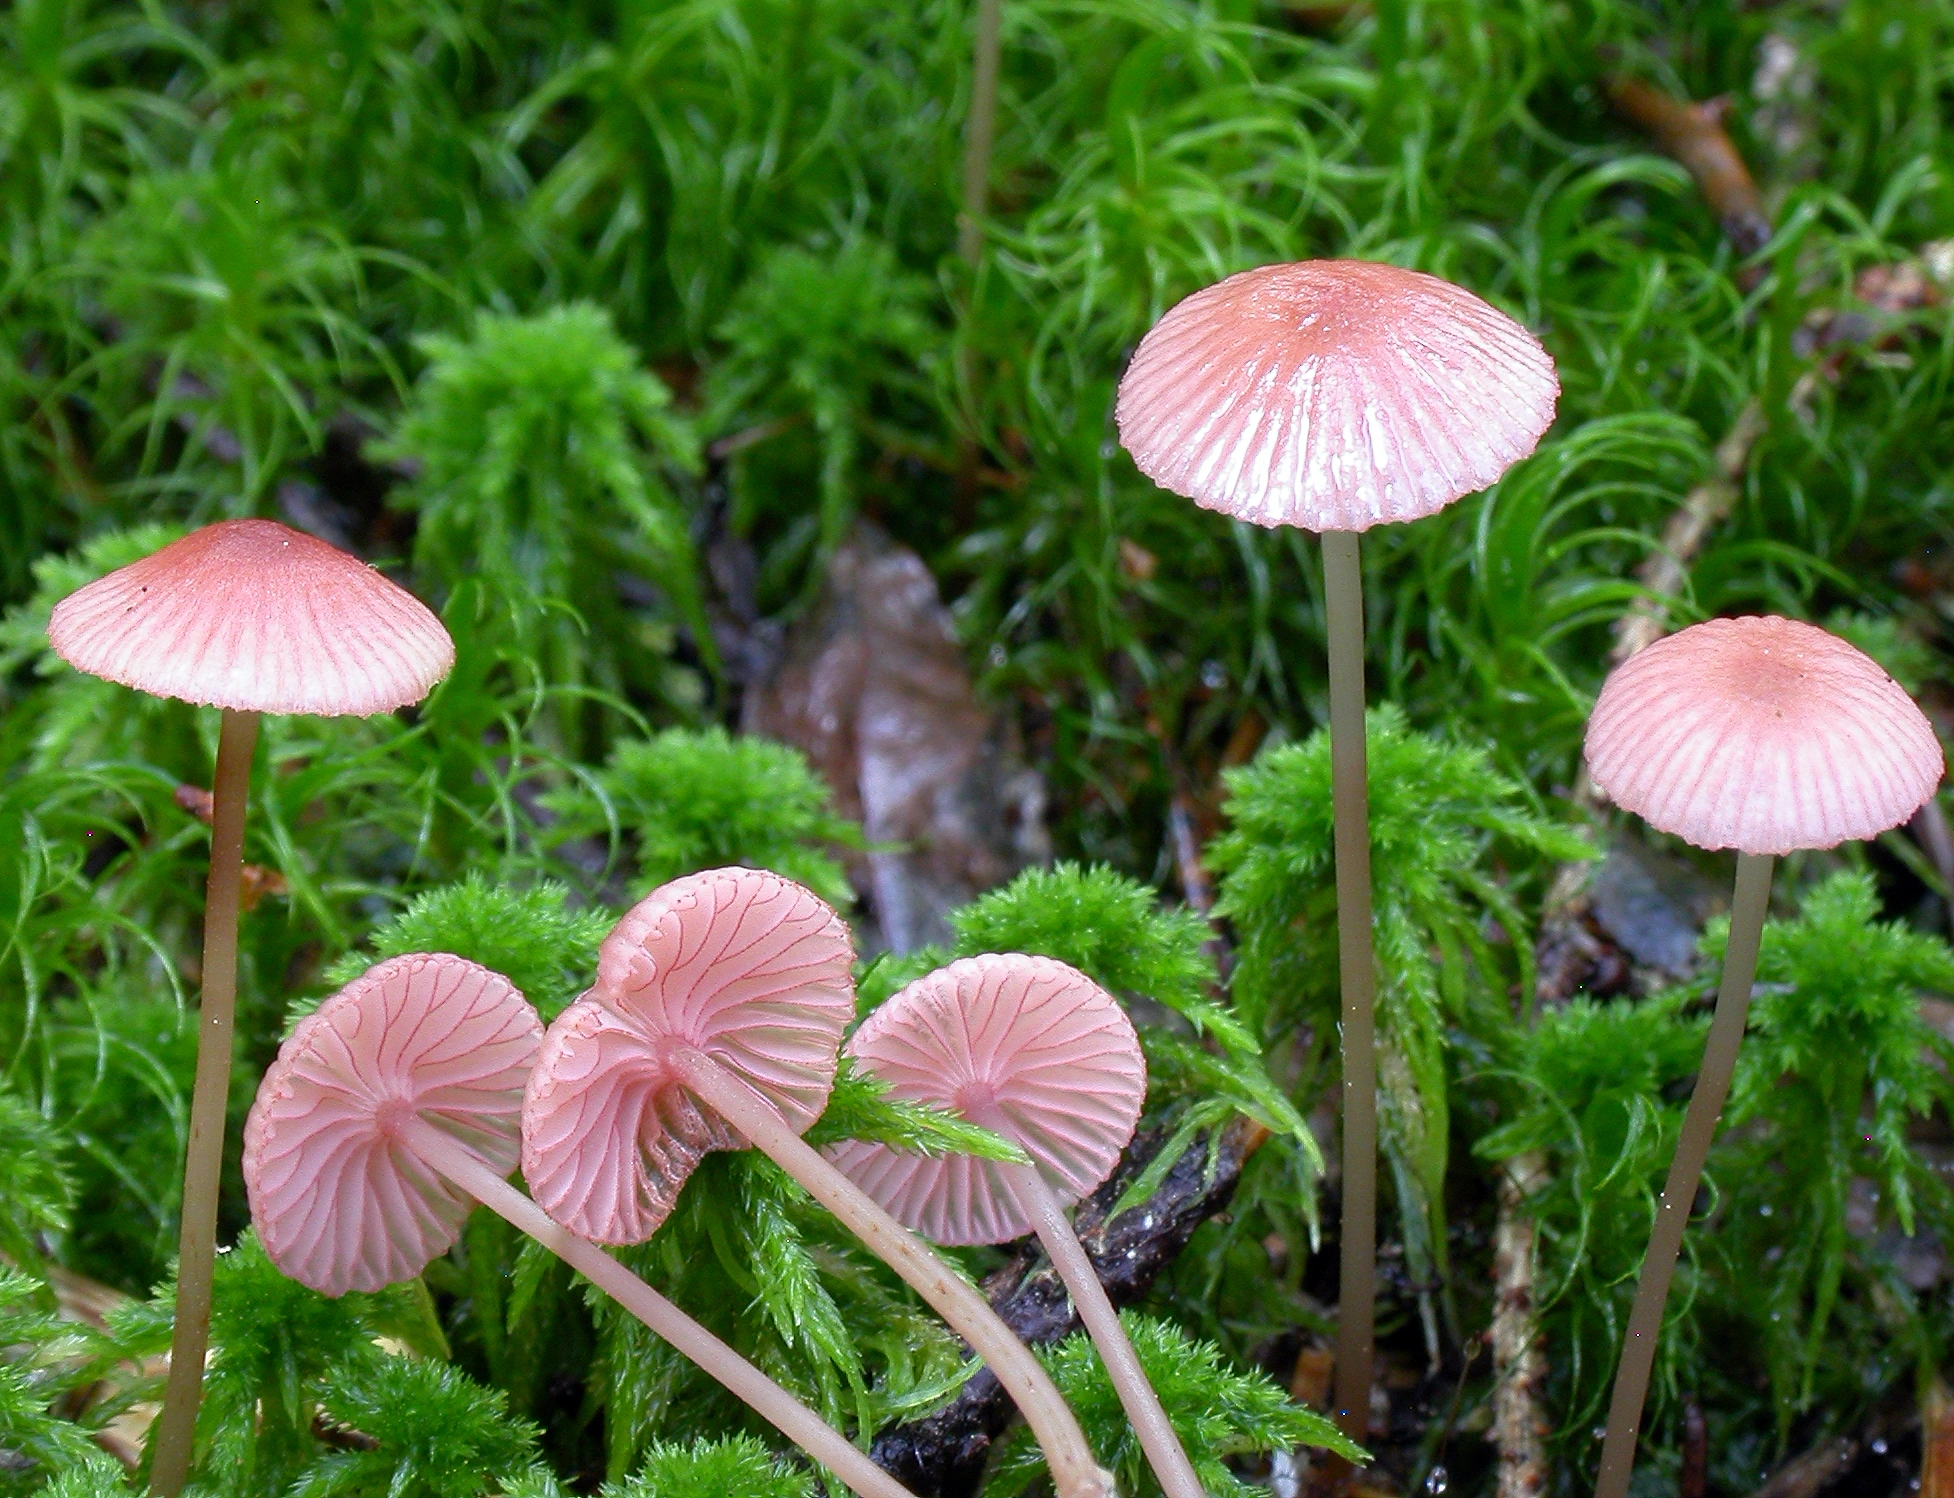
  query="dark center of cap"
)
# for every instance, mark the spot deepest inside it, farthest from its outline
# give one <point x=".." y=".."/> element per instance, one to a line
<point x="392" y="1115"/>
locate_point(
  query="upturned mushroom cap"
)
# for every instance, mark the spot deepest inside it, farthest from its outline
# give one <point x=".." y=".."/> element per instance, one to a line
<point x="748" y="968"/>
<point x="341" y="1201"/>
<point x="1761" y="734"/>
<point x="1026" y="1046"/>
<point x="255" y="616"/>
<point x="1333" y="395"/>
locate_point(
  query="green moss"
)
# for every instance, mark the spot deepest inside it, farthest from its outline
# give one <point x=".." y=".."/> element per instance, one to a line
<point x="712" y="1469"/>
<point x="1217" y="1411"/>
<point x="530" y="936"/>
<point x="699" y="800"/>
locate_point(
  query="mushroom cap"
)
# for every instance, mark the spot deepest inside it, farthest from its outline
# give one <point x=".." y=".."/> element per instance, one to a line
<point x="1760" y="734"/>
<point x="743" y="965"/>
<point x="1333" y="395"/>
<point x="340" y="1200"/>
<point x="255" y="616"/>
<point x="1026" y="1046"/>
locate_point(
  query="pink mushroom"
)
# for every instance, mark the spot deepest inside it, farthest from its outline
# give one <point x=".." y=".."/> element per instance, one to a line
<point x="1335" y="395"/>
<point x="1767" y="736"/>
<point x="252" y="617"/>
<point x="1037" y="1052"/>
<point x="392" y="1110"/>
<point x="716" y="1022"/>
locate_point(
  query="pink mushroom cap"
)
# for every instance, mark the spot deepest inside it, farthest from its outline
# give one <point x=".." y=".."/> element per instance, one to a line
<point x="341" y="1201"/>
<point x="1333" y="395"/>
<point x="1026" y="1046"/>
<point x="1761" y="734"/>
<point x="255" y="616"/>
<point x="748" y="968"/>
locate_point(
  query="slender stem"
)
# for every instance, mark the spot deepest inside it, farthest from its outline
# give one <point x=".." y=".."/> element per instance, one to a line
<point x="176" y="1427"/>
<point x="980" y="129"/>
<point x="1129" y="1379"/>
<point x="450" y="1158"/>
<point x="1343" y="596"/>
<point x="1075" y="1474"/>
<point x="1747" y="908"/>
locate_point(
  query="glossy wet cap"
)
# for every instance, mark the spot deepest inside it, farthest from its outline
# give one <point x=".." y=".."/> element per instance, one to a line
<point x="749" y="968"/>
<point x="255" y="616"/>
<point x="1761" y="734"/>
<point x="1030" y="1048"/>
<point x="340" y="1198"/>
<point x="1333" y="395"/>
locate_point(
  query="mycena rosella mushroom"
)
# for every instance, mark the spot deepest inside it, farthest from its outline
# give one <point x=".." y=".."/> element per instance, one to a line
<point x="1335" y="395"/>
<point x="715" y="1023"/>
<point x="252" y="617"/>
<point x="393" y="1109"/>
<point x="1037" y="1052"/>
<point x="1767" y="736"/>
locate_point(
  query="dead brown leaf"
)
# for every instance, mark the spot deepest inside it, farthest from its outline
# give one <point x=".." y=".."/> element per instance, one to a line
<point x="873" y="687"/>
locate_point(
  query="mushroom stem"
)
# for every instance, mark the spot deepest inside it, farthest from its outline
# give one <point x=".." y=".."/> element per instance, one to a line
<point x="1343" y="597"/>
<point x="1747" y="909"/>
<point x="980" y="129"/>
<point x="1075" y="1473"/>
<point x="1136" y="1395"/>
<point x="774" y="1404"/>
<point x="176" y="1427"/>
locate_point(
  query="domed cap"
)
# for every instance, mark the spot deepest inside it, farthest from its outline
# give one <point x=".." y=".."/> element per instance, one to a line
<point x="1026" y="1046"/>
<point x="340" y="1198"/>
<point x="1333" y="395"/>
<point x="1760" y="734"/>
<point x="255" y="616"/>
<point x="747" y="967"/>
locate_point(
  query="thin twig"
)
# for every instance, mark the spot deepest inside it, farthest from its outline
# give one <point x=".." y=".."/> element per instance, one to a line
<point x="1936" y="838"/>
<point x="1805" y="1474"/>
<point x="1814" y="1471"/>
<point x="78" y="1298"/>
<point x="1694" y="135"/>
<point x="751" y="436"/>
<point x="1191" y="813"/>
<point x="1520" y="1425"/>
<point x="1937" y="1441"/>
<point x="1195" y="886"/>
<point x="1694" y="1478"/>
<point x="340" y="1437"/>
<point x="1665" y="572"/>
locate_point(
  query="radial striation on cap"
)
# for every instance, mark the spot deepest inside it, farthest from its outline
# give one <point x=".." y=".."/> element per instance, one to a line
<point x="1333" y="395"/>
<point x="1761" y="734"/>
<point x="748" y="968"/>
<point x="1028" y="1047"/>
<point x="255" y="616"/>
<point x="341" y="1201"/>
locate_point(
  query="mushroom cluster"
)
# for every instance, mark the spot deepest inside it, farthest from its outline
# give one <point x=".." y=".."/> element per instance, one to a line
<point x="715" y="1022"/>
<point x="393" y="1109"/>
